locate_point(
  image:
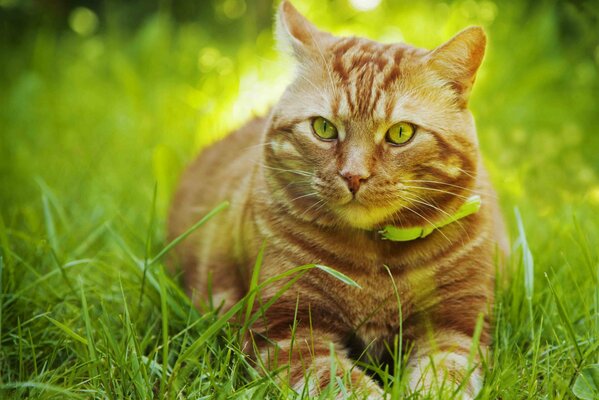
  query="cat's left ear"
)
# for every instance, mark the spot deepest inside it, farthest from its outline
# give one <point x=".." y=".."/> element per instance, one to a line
<point x="294" y="32"/>
<point x="458" y="59"/>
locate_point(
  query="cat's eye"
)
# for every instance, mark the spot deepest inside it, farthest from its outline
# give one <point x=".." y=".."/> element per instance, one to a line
<point x="324" y="129"/>
<point x="400" y="133"/>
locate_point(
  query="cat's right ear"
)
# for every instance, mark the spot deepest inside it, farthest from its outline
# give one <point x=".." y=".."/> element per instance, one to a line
<point x="295" y="33"/>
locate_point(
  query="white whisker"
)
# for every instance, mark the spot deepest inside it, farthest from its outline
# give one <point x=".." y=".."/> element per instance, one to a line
<point x="291" y="171"/>
<point x="422" y="201"/>
<point x="435" y="190"/>
<point x="304" y="195"/>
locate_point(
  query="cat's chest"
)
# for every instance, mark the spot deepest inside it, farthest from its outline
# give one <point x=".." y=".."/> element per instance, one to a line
<point x="386" y="303"/>
<point x="375" y="313"/>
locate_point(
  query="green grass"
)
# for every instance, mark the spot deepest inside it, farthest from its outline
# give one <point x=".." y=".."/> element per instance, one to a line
<point x="95" y="129"/>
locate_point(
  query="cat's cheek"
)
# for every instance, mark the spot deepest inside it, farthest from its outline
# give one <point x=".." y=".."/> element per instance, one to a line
<point x="283" y="148"/>
<point x="327" y="146"/>
<point x="335" y="193"/>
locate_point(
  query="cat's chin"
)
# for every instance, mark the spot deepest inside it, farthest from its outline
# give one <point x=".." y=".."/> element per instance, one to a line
<point x="359" y="216"/>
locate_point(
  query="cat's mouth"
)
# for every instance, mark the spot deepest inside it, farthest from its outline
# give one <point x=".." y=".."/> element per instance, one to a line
<point x="359" y="214"/>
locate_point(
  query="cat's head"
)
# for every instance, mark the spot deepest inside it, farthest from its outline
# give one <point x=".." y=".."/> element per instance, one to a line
<point x="370" y="134"/>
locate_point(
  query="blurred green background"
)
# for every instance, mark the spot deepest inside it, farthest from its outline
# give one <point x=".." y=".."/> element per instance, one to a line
<point x="101" y="102"/>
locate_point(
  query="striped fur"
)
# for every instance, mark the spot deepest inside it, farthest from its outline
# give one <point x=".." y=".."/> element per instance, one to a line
<point x="284" y="185"/>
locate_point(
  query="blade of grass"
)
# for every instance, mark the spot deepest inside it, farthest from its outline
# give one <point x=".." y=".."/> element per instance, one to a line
<point x="528" y="264"/>
<point x="591" y="263"/>
<point x="67" y="330"/>
<point x="49" y="222"/>
<point x="332" y="371"/>
<point x="236" y="308"/>
<point x="6" y="254"/>
<point x="207" y="334"/>
<point x="52" y="200"/>
<point x="397" y="351"/>
<point x="60" y="267"/>
<point x="474" y="347"/>
<point x="1" y="298"/>
<point x="20" y="339"/>
<point x="88" y="241"/>
<point x="49" y="275"/>
<point x="90" y="342"/>
<point x="253" y="284"/>
<point x="585" y="248"/>
<point x="222" y="206"/>
<point x="43" y="387"/>
<point x="339" y="275"/>
<point x="138" y="373"/>
<point x="165" y="337"/>
<point x="33" y="354"/>
<point x="148" y="245"/>
<point x="565" y="320"/>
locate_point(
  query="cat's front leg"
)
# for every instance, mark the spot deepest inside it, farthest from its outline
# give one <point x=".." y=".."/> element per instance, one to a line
<point x="310" y="360"/>
<point x="444" y="366"/>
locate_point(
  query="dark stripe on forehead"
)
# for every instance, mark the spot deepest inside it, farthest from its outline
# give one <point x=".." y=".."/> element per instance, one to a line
<point x="339" y="51"/>
<point x="364" y="94"/>
<point x="352" y="53"/>
<point x="394" y="72"/>
<point x="366" y="69"/>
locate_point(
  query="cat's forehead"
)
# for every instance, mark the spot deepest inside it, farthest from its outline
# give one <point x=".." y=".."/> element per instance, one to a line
<point x="350" y="55"/>
<point x="367" y="83"/>
<point x="363" y="78"/>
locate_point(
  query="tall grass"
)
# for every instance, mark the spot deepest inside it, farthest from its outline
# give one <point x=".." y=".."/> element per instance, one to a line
<point x="94" y="131"/>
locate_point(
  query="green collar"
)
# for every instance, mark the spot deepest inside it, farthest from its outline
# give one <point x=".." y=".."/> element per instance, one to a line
<point x="390" y="232"/>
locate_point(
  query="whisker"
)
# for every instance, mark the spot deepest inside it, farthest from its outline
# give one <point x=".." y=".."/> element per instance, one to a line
<point x="301" y="184"/>
<point x="448" y="184"/>
<point x="324" y="61"/>
<point x="435" y="190"/>
<point x="429" y="221"/>
<point x="318" y="89"/>
<point x="422" y="201"/>
<point x="292" y="171"/>
<point x="304" y="195"/>
<point x="324" y="203"/>
<point x="467" y="173"/>
<point x="321" y="201"/>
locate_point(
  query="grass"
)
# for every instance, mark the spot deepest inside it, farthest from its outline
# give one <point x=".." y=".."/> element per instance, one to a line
<point x="95" y="129"/>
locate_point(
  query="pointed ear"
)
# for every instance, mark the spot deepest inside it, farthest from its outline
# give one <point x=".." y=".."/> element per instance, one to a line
<point x="458" y="59"/>
<point x="294" y="32"/>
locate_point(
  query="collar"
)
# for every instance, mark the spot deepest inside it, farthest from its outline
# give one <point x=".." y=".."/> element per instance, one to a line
<point x="393" y="233"/>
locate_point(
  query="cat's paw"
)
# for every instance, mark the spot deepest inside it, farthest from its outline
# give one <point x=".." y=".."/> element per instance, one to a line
<point x="359" y="387"/>
<point x="445" y="375"/>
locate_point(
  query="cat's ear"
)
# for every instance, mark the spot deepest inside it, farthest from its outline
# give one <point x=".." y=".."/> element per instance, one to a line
<point x="458" y="59"/>
<point x="294" y="32"/>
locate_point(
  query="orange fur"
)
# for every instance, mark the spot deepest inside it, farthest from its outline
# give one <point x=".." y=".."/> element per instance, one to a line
<point x="285" y="186"/>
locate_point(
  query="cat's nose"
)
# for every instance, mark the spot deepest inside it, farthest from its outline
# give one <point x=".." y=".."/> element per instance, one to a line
<point x="354" y="181"/>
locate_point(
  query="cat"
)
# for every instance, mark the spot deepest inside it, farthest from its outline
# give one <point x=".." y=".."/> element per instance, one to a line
<point x="366" y="136"/>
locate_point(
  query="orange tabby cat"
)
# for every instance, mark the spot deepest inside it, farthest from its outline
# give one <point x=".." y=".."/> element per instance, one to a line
<point x="367" y="136"/>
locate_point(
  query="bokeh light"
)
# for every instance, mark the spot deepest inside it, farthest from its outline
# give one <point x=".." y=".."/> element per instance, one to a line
<point x="83" y="21"/>
<point x="364" y="5"/>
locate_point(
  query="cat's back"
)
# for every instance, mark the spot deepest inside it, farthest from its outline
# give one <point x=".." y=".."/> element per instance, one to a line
<point x="220" y="169"/>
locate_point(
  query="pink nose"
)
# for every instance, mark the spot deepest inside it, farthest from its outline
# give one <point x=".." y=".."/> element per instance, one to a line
<point x="353" y="181"/>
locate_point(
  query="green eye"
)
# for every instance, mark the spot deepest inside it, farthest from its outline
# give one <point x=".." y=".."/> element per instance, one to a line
<point x="324" y="129"/>
<point x="400" y="133"/>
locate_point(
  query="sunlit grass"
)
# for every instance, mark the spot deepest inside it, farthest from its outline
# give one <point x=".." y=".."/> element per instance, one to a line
<point x="92" y="120"/>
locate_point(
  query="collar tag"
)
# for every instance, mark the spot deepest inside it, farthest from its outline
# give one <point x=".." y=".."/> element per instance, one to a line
<point x="396" y="234"/>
